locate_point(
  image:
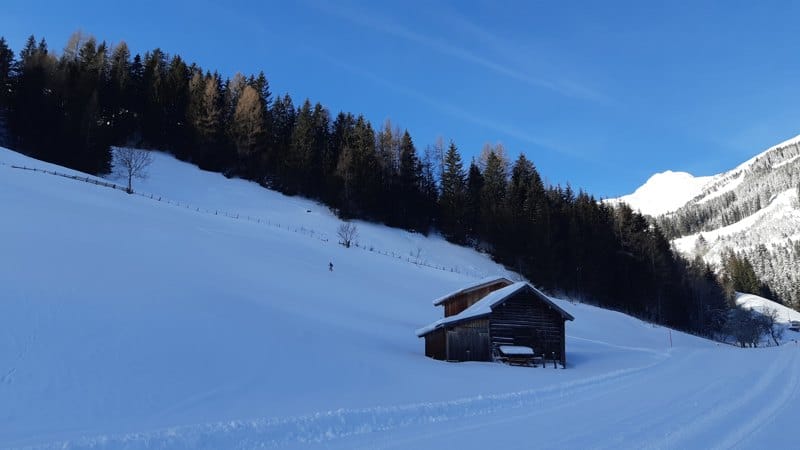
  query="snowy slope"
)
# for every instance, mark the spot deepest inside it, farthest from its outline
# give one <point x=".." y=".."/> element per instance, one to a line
<point x="668" y="191"/>
<point x="752" y="209"/>
<point x="784" y="315"/>
<point x="762" y="305"/>
<point x="132" y="323"/>
<point x="772" y="225"/>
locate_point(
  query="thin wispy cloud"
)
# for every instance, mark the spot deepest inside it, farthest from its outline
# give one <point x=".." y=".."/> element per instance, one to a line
<point x="383" y="25"/>
<point x="512" y="51"/>
<point x="450" y="109"/>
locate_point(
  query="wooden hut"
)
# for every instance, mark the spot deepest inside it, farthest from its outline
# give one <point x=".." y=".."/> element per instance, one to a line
<point x="458" y="301"/>
<point x="516" y="315"/>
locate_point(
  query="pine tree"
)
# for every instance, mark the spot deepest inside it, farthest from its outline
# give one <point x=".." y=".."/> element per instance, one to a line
<point x="740" y="274"/>
<point x="134" y="98"/>
<point x="387" y="148"/>
<point x="249" y="130"/>
<point x="321" y="121"/>
<point x="409" y="181"/>
<point x="493" y="197"/>
<point x="283" y="116"/>
<point x="339" y="137"/>
<point x="519" y="187"/>
<point x="261" y="85"/>
<point x="429" y="188"/>
<point x="452" y="200"/>
<point x="32" y="105"/>
<point x="119" y="70"/>
<point x="174" y="130"/>
<point x="206" y="114"/>
<point x="301" y="151"/>
<point x="358" y="171"/>
<point x="6" y="64"/>
<point x="152" y="117"/>
<point x="472" y="206"/>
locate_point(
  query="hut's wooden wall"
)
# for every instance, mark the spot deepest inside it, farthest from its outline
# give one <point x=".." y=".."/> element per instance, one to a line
<point x="436" y="345"/>
<point x="525" y="320"/>
<point x="463" y="301"/>
<point x="469" y="341"/>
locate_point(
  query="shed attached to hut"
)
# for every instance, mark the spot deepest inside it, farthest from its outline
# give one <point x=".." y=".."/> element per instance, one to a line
<point x="511" y="314"/>
<point x="457" y="301"/>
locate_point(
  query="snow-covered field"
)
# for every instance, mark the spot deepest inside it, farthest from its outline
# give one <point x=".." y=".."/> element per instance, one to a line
<point x="126" y="322"/>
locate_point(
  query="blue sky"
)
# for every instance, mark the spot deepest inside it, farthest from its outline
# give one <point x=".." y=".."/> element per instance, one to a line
<point x="598" y="94"/>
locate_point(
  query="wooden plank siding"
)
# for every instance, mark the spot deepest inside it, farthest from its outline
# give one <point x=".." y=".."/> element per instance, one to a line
<point x="436" y="345"/>
<point x="469" y="341"/>
<point x="524" y="320"/>
<point x="519" y="316"/>
<point x="462" y="301"/>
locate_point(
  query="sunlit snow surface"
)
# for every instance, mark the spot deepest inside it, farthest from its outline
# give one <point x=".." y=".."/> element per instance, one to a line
<point x="126" y="322"/>
<point x="665" y="192"/>
<point x="762" y="305"/>
<point x="668" y="191"/>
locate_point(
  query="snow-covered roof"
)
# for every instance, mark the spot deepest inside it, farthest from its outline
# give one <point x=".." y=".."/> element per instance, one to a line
<point x="516" y="350"/>
<point x="477" y="285"/>
<point x="485" y="305"/>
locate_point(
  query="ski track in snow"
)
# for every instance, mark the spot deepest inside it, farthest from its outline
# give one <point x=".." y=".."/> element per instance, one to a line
<point x="747" y="406"/>
<point x="329" y="426"/>
<point x="744" y="415"/>
<point x="786" y="399"/>
<point x="699" y="424"/>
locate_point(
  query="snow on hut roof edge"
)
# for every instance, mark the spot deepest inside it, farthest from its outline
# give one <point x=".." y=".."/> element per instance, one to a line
<point x="478" y="284"/>
<point x="484" y="306"/>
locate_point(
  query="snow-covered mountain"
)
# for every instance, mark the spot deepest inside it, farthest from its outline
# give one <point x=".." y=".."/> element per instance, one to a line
<point x="203" y="314"/>
<point x="752" y="209"/>
<point x="665" y="192"/>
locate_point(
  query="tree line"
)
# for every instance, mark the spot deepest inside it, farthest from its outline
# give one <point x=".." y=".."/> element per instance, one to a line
<point x="70" y="108"/>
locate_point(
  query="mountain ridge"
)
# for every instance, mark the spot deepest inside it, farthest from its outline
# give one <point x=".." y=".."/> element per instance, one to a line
<point x="752" y="209"/>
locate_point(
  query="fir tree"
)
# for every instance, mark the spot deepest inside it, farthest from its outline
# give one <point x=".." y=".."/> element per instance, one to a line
<point x="283" y="116"/>
<point x="409" y="181"/>
<point x="152" y="116"/>
<point x="493" y="197"/>
<point x="6" y="90"/>
<point x="6" y="64"/>
<point x="119" y="107"/>
<point x="451" y="202"/>
<point x="301" y="151"/>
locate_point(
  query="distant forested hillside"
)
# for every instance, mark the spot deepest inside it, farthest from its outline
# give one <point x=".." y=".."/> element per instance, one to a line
<point x="70" y="107"/>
